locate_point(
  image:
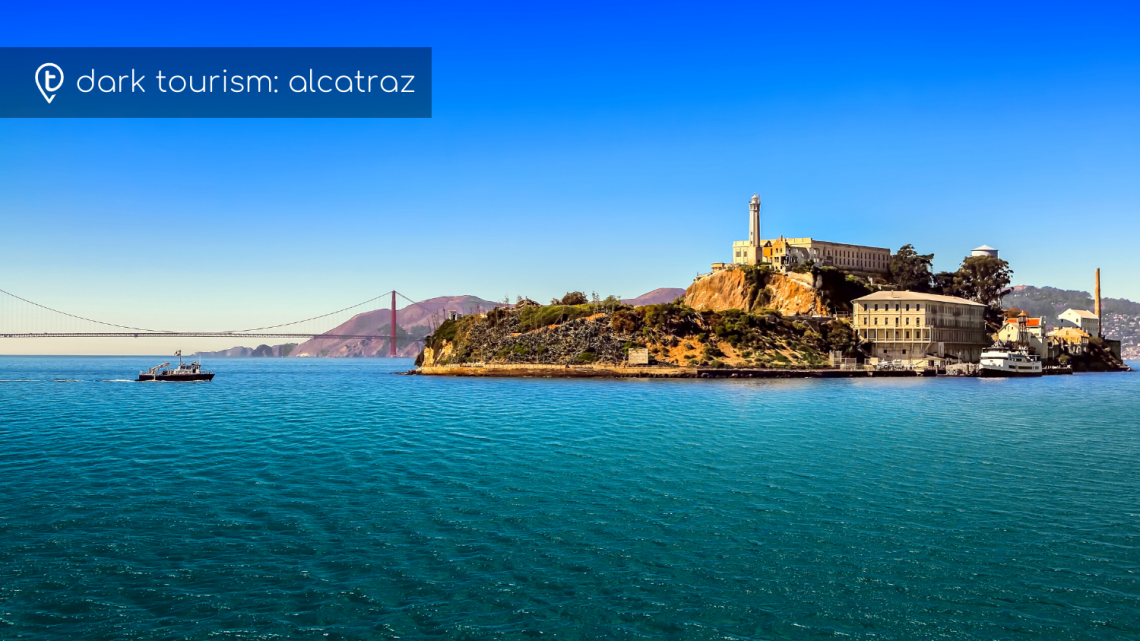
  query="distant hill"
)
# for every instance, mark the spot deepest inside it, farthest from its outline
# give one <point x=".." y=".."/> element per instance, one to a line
<point x="260" y="350"/>
<point x="1120" y="316"/>
<point x="656" y="297"/>
<point x="413" y="323"/>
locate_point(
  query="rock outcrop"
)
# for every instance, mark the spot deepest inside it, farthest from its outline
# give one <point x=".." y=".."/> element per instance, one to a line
<point x="789" y="294"/>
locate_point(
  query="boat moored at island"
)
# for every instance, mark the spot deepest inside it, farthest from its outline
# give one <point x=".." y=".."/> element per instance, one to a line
<point x="999" y="361"/>
<point x="185" y="372"/>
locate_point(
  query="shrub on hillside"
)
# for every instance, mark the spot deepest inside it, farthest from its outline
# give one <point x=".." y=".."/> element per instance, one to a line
<point x="574" y="298"/>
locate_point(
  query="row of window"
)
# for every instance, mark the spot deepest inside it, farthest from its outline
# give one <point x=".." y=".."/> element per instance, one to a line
<point x="895" y="334"/>
<point x="867" y="320"/>
<point x="887" y="307"/>
<point x="934" y="309"/>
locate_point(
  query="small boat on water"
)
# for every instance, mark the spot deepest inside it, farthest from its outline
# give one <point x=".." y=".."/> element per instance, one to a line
<point x="185" y="372"/>
<point x="1001" y="361"/>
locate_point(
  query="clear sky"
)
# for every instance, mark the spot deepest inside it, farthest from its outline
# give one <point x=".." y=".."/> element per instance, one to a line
<point x="577" y="146"/>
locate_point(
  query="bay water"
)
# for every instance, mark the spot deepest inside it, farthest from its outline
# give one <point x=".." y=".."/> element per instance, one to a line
<point x="332" y="499"/>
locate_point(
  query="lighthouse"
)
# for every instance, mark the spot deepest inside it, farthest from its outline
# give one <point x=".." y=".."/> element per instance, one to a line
<point x="754" y="221"/>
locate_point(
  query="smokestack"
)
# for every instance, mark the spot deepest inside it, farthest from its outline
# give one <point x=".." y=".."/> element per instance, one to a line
<point x="1097" y="302"/>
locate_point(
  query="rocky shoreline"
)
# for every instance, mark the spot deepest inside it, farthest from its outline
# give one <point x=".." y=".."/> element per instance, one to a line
<point x="507" y="370"/>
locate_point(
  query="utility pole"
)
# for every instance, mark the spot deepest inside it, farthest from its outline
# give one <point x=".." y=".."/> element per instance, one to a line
<point x="392" y="327"/>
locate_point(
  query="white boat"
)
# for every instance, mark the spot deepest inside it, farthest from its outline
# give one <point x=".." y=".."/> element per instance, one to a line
<point x="1002" y="361"/>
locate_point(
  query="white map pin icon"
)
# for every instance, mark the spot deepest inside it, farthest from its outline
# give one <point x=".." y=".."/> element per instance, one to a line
<point x="48" y="76"/>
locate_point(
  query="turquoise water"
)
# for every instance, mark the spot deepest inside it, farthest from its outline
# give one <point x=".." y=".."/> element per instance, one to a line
<point x="329" y="499"/>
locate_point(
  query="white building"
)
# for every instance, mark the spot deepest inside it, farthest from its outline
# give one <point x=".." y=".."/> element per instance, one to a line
<point x="1081" y="319"/>
<point x="984" y="250"/>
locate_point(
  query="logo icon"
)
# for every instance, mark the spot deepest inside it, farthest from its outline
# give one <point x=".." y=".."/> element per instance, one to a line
<point x="48" y="76"/>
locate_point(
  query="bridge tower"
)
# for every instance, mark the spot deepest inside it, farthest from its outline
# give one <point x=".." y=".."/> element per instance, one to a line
<point x="392" y="327"/>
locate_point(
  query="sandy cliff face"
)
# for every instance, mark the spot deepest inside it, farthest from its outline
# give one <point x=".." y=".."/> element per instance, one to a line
<point x="719" y="291"/>
<point x="791" y="295"/>
<point x="730" y="289"/>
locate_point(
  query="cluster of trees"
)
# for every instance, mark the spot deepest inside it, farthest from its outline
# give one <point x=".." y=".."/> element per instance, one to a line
<point x="610" y="302"/>
<point x="979" y="278"/>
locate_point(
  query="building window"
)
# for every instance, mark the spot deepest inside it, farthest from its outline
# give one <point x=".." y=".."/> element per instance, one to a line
<point x="876" y="320"/>
<point x="918" y="308"/>
<point x="896" y="321"/>
<point x="896" y="307"/>
<point x="918" y="321"/>
<point x="908" y="320"/>
<point x="908" y="307"/>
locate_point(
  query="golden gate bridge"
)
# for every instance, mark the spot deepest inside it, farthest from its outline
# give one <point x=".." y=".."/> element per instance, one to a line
<point x="19" y="316"/>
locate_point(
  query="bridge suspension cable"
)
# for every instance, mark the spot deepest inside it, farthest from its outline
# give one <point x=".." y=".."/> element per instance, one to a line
<point x="89" y="320"/>
<point x="32" y="321"/>
<point x="259" y="329"/>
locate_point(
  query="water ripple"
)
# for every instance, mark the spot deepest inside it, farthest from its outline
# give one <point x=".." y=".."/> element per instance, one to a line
<point x="309" y="498"/>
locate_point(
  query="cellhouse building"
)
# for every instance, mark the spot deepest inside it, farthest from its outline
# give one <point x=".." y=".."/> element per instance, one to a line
<point x="783" y="254"/>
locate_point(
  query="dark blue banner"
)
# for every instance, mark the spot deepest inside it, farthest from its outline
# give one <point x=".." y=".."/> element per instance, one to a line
<point x="215" y="82"/>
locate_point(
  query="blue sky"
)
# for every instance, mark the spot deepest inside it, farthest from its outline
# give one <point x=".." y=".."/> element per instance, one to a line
<point x="582" y="146"/>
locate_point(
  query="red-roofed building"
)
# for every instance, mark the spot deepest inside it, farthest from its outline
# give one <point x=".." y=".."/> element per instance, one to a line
<point x="1026" y="331"/>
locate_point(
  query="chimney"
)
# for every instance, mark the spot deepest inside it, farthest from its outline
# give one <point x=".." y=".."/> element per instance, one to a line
<point x="1097" y="302"/>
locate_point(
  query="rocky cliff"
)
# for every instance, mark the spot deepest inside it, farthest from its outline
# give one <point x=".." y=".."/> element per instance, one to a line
<point x="750" y="289"/>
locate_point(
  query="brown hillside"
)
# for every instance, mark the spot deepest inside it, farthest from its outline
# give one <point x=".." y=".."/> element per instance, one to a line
<point x="655" y="297"/>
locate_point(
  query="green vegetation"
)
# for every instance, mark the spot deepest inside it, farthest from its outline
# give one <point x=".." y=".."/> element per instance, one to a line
<point x="910" y="270"/>
<point x="982" y="279"/>
<point x="757" y="277"/>
<point x="571" y="298"/>
<point x="839" y="288"/>
<point x="532" y="318"/>
<point x="446" y="332"/>
<point x="979" y="278"/>
<point x="587" y="357"/>
<point x="521" y="335"/>
<point x="840" y="336"/>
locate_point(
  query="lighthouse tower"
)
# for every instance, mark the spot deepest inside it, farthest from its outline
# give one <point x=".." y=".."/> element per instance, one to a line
<point x="754" y="221"/>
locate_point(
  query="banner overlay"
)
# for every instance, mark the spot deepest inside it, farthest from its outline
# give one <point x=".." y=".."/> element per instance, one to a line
<point x="215" y="82"/>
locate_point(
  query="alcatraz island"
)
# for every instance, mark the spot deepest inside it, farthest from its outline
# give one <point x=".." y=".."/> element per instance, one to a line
<point x="783" y="307"/>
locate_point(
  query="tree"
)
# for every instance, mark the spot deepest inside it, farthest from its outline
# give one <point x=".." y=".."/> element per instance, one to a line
<point x="574" y="298"/>
<point x="983" y="279"/>
<point x="944" y="284"/>
<point x="910" y="270"/>
<point x="840" y="336"/>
